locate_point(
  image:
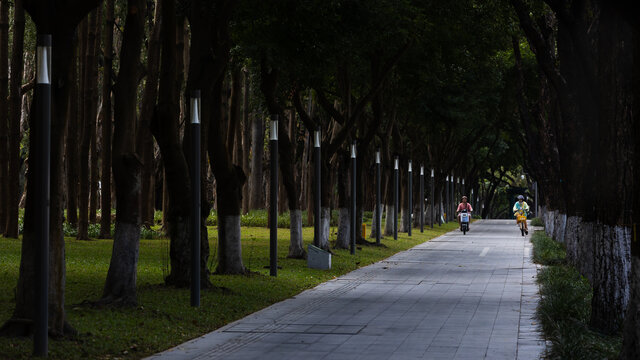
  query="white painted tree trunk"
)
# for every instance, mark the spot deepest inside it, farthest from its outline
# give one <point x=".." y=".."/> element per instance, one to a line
<point x="377" y="219"/>
<point x="230" y="249"/>
<point x="344" y="229"/>
<point x="403" y="226"/>
<point x="612" y="255"/>
<point x="296" y="247"/>
<point x="121" y="277"/>
<point x="325" y="227"/>
<point x="388" y="225"/>
<point x="631" y="344"/>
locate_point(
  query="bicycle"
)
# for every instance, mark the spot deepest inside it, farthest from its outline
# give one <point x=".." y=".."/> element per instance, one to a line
<point x="521" y="219"/>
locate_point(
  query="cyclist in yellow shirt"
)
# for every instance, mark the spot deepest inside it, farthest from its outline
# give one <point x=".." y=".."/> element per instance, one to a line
<point x="521" y="207"/>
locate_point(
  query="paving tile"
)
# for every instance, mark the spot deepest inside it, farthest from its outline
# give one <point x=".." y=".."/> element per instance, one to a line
<point x="439" y="300"/>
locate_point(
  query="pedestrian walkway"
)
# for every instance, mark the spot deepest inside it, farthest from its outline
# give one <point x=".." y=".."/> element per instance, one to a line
<point x="455" y="297"/>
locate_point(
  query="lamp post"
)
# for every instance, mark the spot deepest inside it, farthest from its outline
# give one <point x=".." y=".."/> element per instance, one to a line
<point x="273" y="223"/>
<point x="446" y="201"/>
<point x="410" y="197"/>
<point x="317" y="210"/>
<point x="421" y="198"/>
<point x="42" y="167"/>
<point x="463" y="192"/>
<point x="453" y="197"/>
<point x="378" y="198"/>
<point x="535" y="206"/>
<point x="195" y="198"/>
<point x="395" y="199"/>
<point x="353" y="198"/>
<point x="432" y="196"/>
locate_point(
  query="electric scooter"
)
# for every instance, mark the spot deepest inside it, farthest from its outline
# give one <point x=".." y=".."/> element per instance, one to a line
<point x="465" y="217"/>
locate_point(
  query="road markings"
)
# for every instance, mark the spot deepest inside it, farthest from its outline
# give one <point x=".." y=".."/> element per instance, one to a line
<point x="484" y="251"/>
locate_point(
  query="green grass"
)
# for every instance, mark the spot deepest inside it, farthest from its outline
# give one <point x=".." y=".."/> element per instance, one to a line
<point x="565" y="307"/>
<point x="546" y="251"/>
<point x="163" y="317"/>
<point x="260" y="218"/>
<point x="536" y="221"/>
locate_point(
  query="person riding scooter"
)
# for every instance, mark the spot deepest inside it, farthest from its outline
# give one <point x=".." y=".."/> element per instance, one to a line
<point x="521" y="207"/>
<point x="464" y="205"/>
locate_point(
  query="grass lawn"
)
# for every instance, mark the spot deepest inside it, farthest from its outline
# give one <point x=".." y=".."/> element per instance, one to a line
<point x="163" y="317"/>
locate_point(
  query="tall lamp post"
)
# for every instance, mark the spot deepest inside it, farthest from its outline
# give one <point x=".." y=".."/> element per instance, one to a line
<point x="421" y="198"/>
<point x="378" y="198"/>
<point x="273" y="223"/>
<point x="395" y="199"/>
<point x="410" y="198"/>
<point x="463" y="189"/>
<point x="195" y="198"/>
<point x="353" y="198"/>
<point x="42" y="167"/>
<point x="432" y="196"/>
<point x="453" y="198"/>
<point x="447" y="205"/>
<point x="317" y="210"/>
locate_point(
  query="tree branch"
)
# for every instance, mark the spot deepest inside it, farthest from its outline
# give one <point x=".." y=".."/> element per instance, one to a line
<point x="306" y="119"/>
<point x="538" y="45"/>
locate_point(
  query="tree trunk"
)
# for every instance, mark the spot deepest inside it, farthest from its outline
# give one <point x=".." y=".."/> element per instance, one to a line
<point x="210" y="29"/>
<point x="15" y="104"/>
<point x="343" y="240"/>
<point x="631" y="330"/>
<point x="389" y="204"/>
<point x="164" y="127"/>
<point x="120" y="285"/>
<point x="145" y="139"/>
<point x="286" y="152"/>
<point x="235" y="112"/>
<point x="4" y="107"/>
<point x="229" y="180"/>
<point x="105" y="219"/>
<point x="257" y="152"/>
<point x="95" y="152"/>
<point x="71" y="143"/>
<point x="62" y="32"/>
<point x="246" y="140"/>
<point x="88" y="125"/>
<point x="404" y="222"/>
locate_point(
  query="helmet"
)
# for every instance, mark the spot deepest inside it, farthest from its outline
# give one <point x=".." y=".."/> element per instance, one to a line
<point x="464" y="196"/>
<point x="520" y="197"/>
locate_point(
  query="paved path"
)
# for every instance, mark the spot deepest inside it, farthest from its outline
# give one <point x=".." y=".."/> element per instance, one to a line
<point x="454" y="297"/>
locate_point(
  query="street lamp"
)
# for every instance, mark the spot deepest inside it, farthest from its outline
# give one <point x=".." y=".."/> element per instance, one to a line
<point x="395" y="198"/>
<point x="378" y="198"/>
<point x="195" y="198"/>
<point x="410" y="196"/>
<point x="273" y="224"/>
<point x="353" y="198"/>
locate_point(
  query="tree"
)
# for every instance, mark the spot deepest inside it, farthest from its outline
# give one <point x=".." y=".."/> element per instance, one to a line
<point x="210" y="30"/>
<point x="149" y="97"/>
<point x="120" y="285"/>
<point x="164" y="127"/>
<point x="105" y="219"/>
<point x="62" y="28"/>
<point x="585" y="69"/>
<point x="15" y="104"/>
<point x="87" y="123"/>
<point x="4" y="106"/>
